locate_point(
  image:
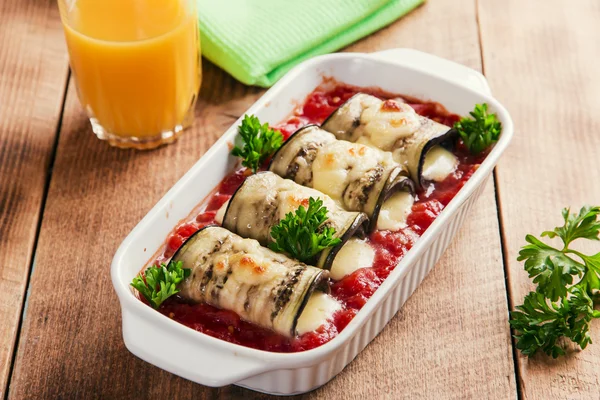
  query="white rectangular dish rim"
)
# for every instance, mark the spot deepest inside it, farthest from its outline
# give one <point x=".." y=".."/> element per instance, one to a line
<point x="247" y="362"/>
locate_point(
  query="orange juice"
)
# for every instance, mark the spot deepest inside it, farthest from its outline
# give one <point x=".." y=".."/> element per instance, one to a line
<point x="136" y="63"/>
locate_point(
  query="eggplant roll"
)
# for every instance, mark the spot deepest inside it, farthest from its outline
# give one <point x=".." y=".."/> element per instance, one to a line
<point x="358" y="177"/>
<point x="392" y="125"/>
<point x="265" y="198"/>
<point x="261" y="286"/>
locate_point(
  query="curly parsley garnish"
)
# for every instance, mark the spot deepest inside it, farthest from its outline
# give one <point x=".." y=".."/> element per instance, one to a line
<point x="260" y="142"/>
<point x="160" y="283"/>
<point x="302" y="235"/>
<point x="481" y="131"/>
<point x="558" y="308"/>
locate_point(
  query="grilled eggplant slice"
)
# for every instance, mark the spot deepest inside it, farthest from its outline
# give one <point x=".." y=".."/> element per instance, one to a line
<point x="345" y="121"/>
<point x="265" y="198"/>
<point x="358" y="177"/>
<point x="261" y="286"/>
<point x="415" y="141"/>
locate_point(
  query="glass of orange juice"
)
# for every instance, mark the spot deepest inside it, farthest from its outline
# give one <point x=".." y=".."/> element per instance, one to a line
<point x="137" y="67"/>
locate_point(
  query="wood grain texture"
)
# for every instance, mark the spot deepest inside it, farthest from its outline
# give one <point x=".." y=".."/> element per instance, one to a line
<point x="71" y="347"/>
<point x="541" y="58"/>
<point x="33" y="74"/>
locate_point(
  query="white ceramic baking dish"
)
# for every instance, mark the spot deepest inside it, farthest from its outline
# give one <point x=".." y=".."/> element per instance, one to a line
<point x="213" y="362"/>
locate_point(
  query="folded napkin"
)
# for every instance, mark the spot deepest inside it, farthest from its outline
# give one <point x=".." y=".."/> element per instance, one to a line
<point x="257" y="41"/>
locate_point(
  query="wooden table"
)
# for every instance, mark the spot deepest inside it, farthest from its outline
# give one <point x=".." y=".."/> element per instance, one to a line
<point x="67" y="200"/>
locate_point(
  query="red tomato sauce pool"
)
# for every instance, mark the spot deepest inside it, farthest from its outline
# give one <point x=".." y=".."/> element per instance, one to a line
<point x="352" y="291"/>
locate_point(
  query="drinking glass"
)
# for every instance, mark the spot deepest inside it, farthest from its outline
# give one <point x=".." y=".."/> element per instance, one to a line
<point x="136" y="65"/>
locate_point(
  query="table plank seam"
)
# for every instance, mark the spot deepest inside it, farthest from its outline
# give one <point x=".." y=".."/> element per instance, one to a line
<point x="504" y="255"/>
<point x="509" y="296"/>
<point x="480" y="40"/>
<point x="37" y="235"/>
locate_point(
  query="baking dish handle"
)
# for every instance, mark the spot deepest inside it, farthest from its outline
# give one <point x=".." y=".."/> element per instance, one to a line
<point x="207" y="363"/>
<point x="458" y="73"/>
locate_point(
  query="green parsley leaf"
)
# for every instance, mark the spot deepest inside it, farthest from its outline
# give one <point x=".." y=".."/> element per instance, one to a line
<point x="303" y="234"/>
<point x="157" y="284"/>
<point x="481" y="131"/>
<point x="260" y="142"/>
<point x="591" y="279"/>
<point x="559" y="308"/>
<point x="541" y="323"/>
<point x="582" y="225"/>
<point x="551" y="269"/>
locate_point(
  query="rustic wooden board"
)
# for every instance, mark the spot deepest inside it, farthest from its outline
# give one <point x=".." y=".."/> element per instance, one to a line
<point x="541" y="58"/>
<point x="33" y="74"/>
<point x="71" y="346"/>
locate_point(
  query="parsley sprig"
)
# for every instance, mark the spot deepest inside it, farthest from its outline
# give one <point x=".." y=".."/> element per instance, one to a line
<point x="157" y="284"/>
<point x="481" y="131"/>
<point x="303" y="234"/>
<point x="558" y="308"/>
<point x="260" y="142"/>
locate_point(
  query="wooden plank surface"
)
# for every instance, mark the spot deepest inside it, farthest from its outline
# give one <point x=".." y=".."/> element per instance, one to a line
<point x="71" y="345"/>
<point x="541" y="58"/>
<point x="33" y="74"/>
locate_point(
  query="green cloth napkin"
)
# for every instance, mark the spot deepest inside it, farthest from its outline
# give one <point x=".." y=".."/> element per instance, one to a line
<point x="257" y="41"/>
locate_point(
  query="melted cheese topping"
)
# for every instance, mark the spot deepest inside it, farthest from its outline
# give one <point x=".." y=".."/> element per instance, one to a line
<point x="290" y="200"/>
<point x="340" y="162"/>
<point x="439" y="163"/>
<point x="249" y="266"/>
<point x="252" y="271"/>
<point x="221" y="213"/>
<point x="394" y="211"/>
<point x="385" y="125"/>
<point x="355" y="254"/>
<point x="319" y="309"/>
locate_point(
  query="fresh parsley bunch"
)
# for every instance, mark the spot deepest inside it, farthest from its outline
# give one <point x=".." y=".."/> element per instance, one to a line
<point x="559" y="307"/>
<point x="160" y="283"/>
<point x="481" y="131"/>
<point x="302" y="234"/>
<point x="260" y="142"/>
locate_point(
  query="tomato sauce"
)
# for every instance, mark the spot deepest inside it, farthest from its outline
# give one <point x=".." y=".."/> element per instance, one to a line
<point x="354" y="290"/>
